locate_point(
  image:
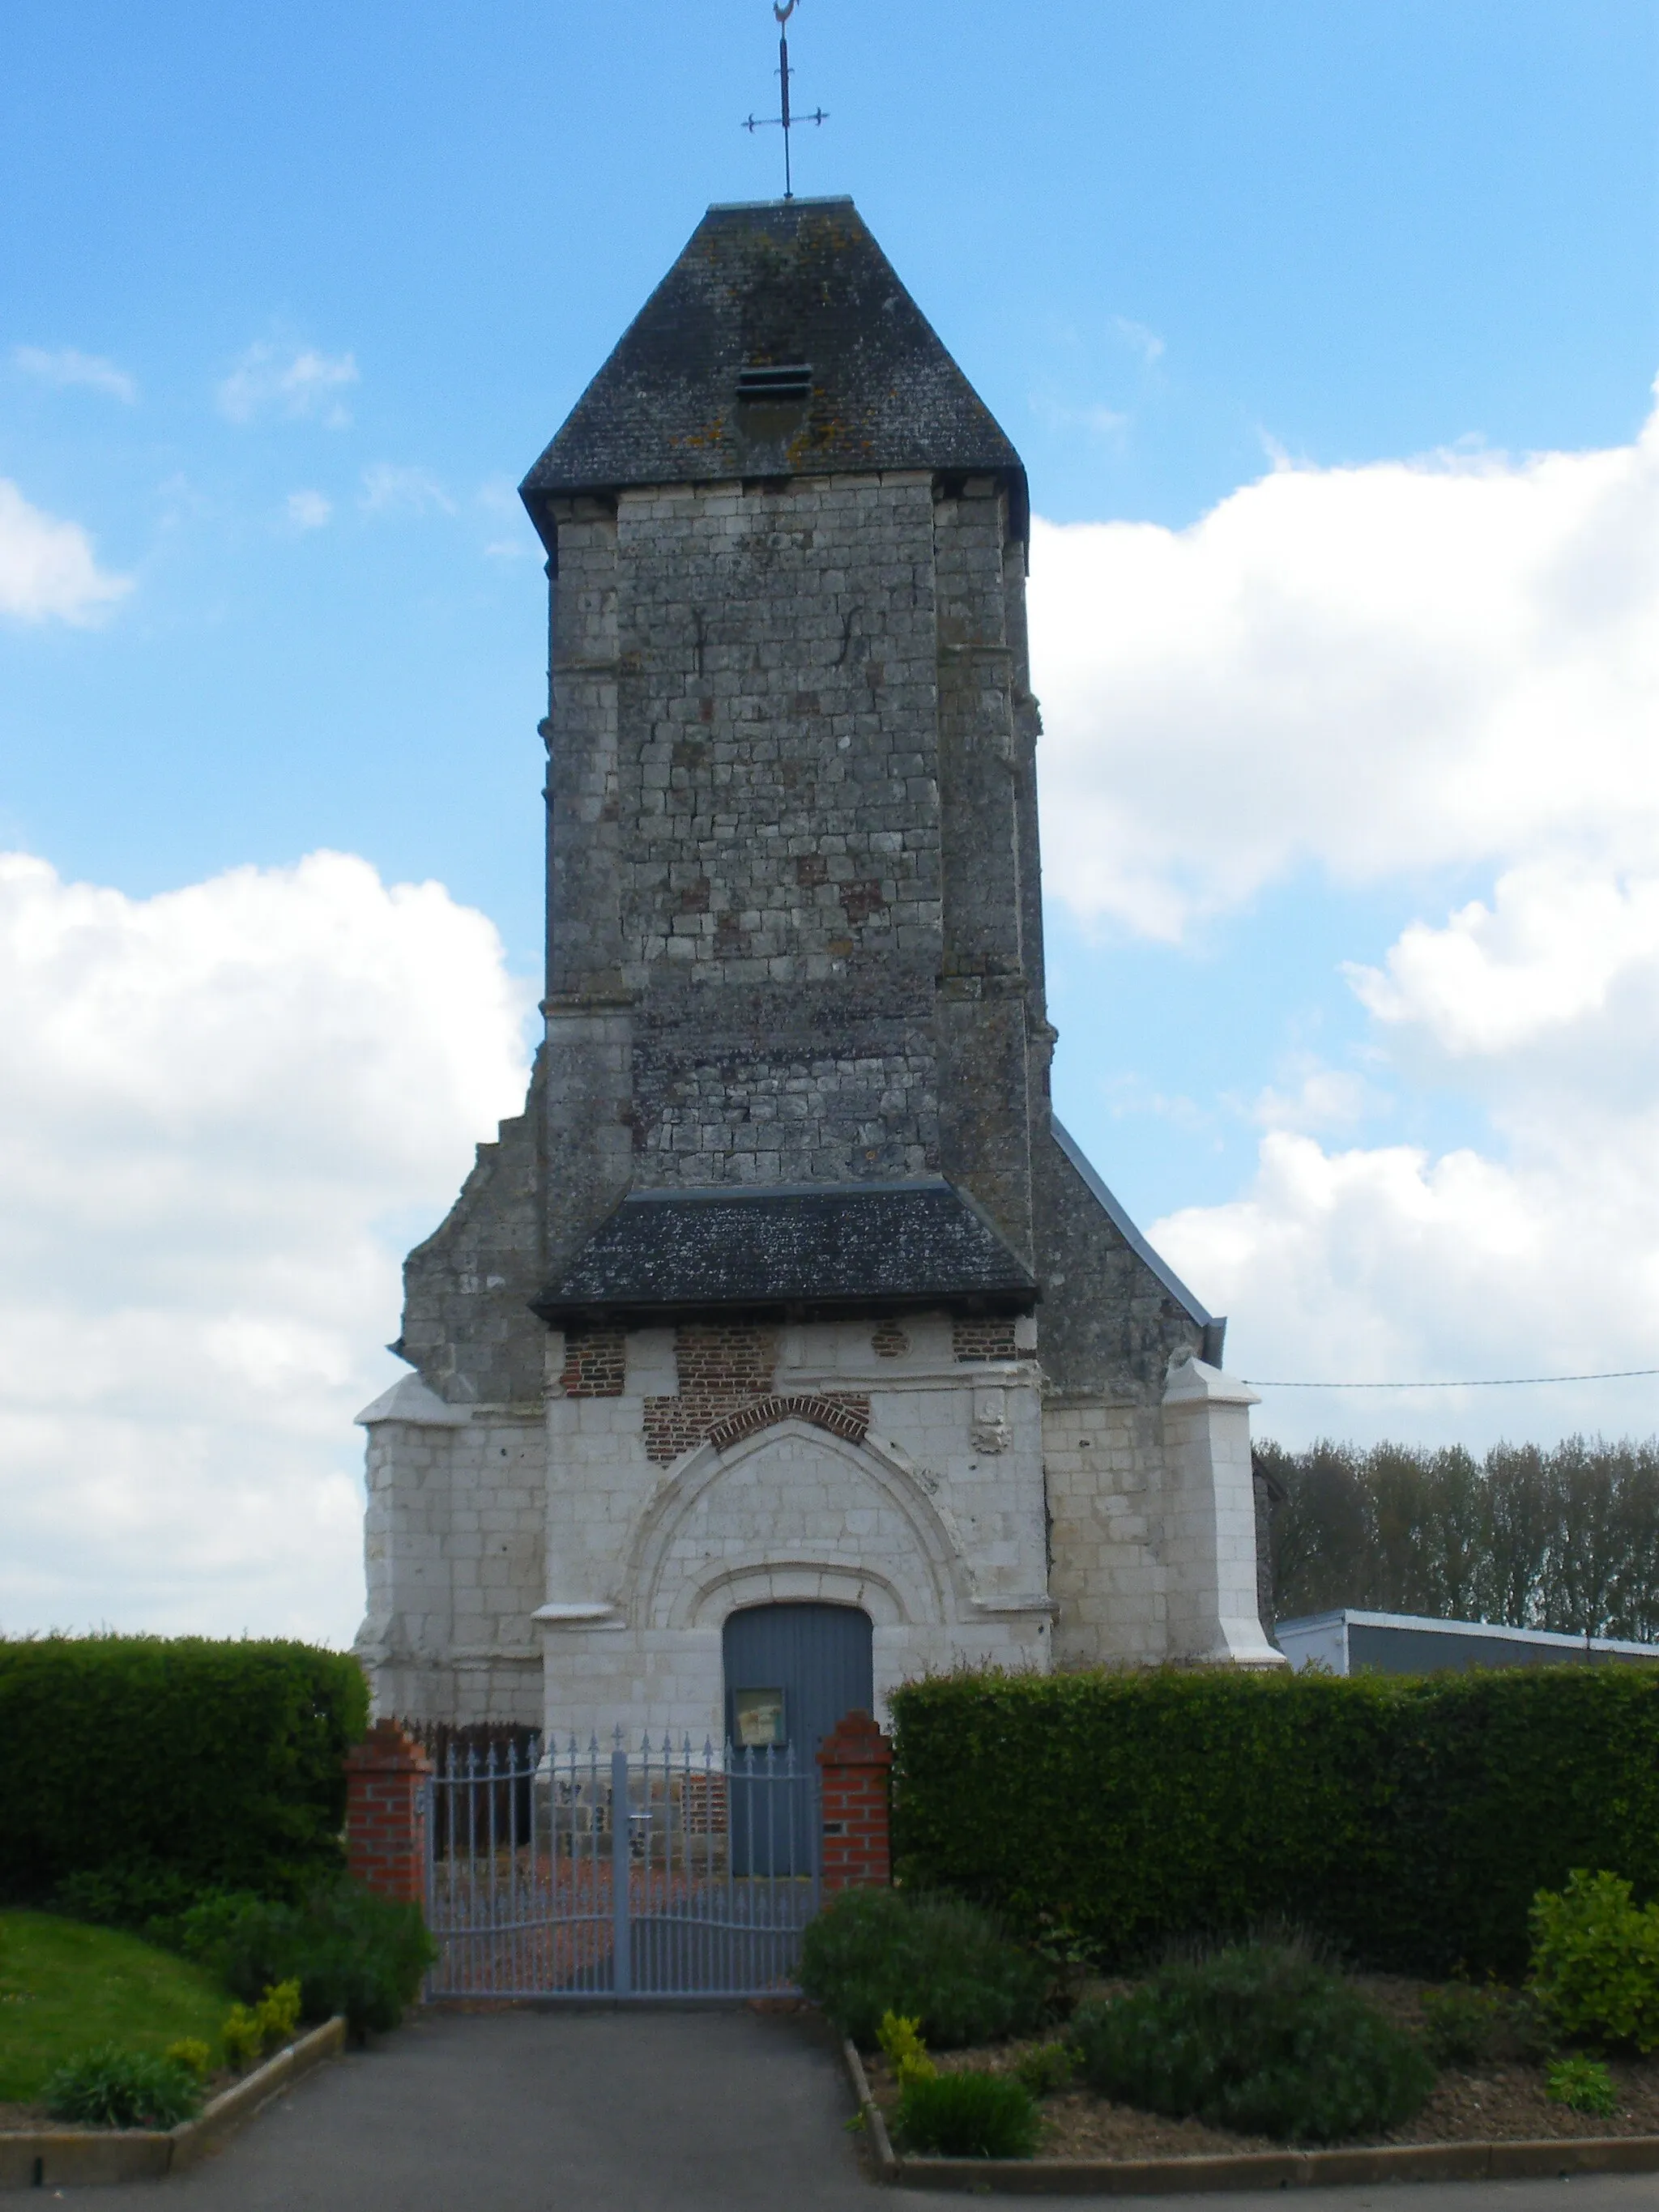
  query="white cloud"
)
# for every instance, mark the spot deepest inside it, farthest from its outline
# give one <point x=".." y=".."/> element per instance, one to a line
<point x="224" y="1107"/>
<point x="1389" y="674"/>
<point x="391" y="490"/>
<point x="1560" y="949"/>
<point x="298" y="382"/>
<point x="1378" y="671"/>
<point x="1106" y="425"/>
<point x="1136" y="335"/>
<point x="66" y="366"/>
<point x="308" y="510"/>
<point x="48" y="570"/>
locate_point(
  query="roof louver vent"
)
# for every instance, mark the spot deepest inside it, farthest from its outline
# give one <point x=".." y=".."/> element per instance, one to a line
<point x="776" y="380"/>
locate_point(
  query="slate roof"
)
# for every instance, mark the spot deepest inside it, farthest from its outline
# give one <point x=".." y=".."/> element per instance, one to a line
<point x="777" y="284"/>
<point x="805" y="1252"/>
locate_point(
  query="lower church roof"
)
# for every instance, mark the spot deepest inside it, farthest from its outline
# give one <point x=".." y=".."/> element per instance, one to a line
<point x="799" y="1252"/>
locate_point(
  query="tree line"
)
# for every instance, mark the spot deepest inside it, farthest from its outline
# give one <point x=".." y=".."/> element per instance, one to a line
<point x="1565" y="1538"/>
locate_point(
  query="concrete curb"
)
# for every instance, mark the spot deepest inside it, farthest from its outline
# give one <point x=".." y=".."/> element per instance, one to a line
<point x="57" y="2158"/>
<point x="1543" y="2160"/>
<point x="875" y="2120"/>
<point x="1290" y="2169"/>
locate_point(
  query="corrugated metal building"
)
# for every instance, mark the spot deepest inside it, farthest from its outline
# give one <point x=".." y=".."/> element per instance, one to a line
<point x="1349" y="1642"/>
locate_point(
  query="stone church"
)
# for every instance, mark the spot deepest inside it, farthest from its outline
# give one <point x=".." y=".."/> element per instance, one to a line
<point x="787" y="1339"/>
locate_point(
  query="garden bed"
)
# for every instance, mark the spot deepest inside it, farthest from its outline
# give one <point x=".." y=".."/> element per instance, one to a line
<point x="1500" y="2100"/>
<point x="42" y="2153"/>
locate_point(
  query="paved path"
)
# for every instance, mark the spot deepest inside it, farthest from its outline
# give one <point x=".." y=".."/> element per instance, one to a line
<point x="636" y="2111"/>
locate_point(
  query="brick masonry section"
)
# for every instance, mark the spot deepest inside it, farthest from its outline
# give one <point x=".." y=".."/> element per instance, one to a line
<point x="844" y="1415"/>
<point x="988" y="1338"/>
<point x="856" y="1760"/>
<point x="721" y="1368"/>
<point x="385" y="1814"/>
<point x="594" y="1363"/>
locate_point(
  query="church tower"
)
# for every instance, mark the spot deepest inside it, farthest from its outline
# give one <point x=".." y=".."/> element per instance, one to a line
<point x="786" y="1334"/>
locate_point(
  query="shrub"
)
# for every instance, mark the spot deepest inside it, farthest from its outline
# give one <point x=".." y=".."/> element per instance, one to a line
<point x="932" y="1959"/>
<point x="242" y="2036"/>
<point x="110" y="2087"/>
<point x="1260" y="2038"/>
<point x="134" y="1896"/>
<point x="1460" y="2023"/>
<point x="192" y="2056"/>
<point x="350" y="1951"/>
<point x="167" y="1767"/>
<point x="1584" y="2084"/>
<point x="1595" y="1961"/>
<point x="1399" y="1816"/>
<point x="902" y="2048"/>
<point x="968" y="2115"/>
<point x="1046" y="2070"/>
<point x="278" y="2012"/>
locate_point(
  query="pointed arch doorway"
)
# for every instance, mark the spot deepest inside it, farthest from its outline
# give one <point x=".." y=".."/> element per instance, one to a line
<point x="792" y="1673"/>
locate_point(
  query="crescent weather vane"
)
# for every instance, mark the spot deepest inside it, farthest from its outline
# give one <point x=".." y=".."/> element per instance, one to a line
<point x="783" y="118"/>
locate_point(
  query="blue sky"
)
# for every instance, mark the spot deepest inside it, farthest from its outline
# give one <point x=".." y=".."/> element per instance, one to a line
<point x="290" y="299"/>
<point x="1354" y="232"/>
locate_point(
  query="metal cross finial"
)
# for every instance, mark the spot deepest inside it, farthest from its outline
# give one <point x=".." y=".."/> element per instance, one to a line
<point x="783" y="118"/>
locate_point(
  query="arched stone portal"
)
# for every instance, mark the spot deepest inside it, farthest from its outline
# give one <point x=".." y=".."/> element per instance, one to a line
<point x="794" y="1514"/>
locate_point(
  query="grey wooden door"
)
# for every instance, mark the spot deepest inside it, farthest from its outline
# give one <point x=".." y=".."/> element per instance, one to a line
<point x="792" y="1673"/>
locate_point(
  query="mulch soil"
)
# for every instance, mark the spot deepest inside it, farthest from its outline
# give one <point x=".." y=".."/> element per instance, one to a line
<point x="1501" y="2100"/>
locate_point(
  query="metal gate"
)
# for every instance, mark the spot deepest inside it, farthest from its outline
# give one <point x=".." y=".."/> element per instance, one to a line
<point x="591" y="1874"/>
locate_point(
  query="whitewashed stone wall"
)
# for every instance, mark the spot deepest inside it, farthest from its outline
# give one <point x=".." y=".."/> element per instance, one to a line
<point x="552" y="1572"/>
<point x="933" y="1523"/>
<point x="454" y="1544"/>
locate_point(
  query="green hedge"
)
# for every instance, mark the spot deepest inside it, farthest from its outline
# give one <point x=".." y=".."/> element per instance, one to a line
<point x="1410" y="1820"/>
<point x="217" y="1763"/>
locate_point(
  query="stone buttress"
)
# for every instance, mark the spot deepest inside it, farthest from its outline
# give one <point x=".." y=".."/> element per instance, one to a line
<point x="786" y="1285"/>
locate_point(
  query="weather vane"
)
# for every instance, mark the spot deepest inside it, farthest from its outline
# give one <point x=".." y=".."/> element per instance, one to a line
<point x="783" y="118"/>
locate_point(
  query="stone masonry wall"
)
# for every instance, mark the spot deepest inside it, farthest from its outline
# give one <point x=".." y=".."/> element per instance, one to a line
<point x="454" y="1557"/>
<point x="780" y="898"/>
<point x="1107" y="1324"/>
<point x="467" y="1325"/>
<point x="783" y="714"/>
<point x="1103" y="1469"/>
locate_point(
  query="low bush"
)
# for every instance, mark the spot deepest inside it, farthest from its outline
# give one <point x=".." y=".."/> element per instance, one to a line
<point x="902" y="2048"/>
<point x="350" y="1951"/>
<point x="242" y="2037"/>
<point x="191" y="2054"/>
<point x="968" y="2115"/>
<point x="934" y="1960"/>
<point x="1596" y="1962"/>
<point x="143" y="1898"/>
<point x="1462" y="2023"/>
<point x="1584" y="2084"/>
<point x="1047" y="2071"/>
<point x="1260" y="2038"/>
<point x="110" y="2088"/>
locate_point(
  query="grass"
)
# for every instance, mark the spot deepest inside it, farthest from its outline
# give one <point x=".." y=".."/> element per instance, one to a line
<point x="65" y="1986"/>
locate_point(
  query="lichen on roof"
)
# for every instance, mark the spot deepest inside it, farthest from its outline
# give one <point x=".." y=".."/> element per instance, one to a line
<point x="799" y="281"/>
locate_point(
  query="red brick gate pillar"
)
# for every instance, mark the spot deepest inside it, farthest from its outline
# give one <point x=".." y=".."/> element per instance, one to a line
<point x="856" y="1759"/>
<point x="385" y="1814"/>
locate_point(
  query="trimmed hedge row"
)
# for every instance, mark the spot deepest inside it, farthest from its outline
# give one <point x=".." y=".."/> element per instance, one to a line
<point x="219" y="1764"/>
<point x="1410" y="1820"/>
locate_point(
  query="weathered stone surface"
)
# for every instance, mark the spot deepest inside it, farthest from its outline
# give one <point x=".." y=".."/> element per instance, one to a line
<point x="794" y="977"/>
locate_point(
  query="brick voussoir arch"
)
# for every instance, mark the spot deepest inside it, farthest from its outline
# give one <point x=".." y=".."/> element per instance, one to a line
<point x="848" y="1417"/>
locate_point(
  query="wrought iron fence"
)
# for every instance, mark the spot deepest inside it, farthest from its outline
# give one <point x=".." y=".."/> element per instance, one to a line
<point x="591" y="1874"/>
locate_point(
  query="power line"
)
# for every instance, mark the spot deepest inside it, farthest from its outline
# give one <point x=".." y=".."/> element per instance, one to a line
<point x="1477" y="1382"/>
